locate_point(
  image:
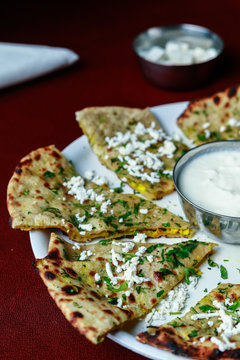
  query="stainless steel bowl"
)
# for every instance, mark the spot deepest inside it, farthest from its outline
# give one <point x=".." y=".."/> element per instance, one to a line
<point x="221" y="227"/>
<point x="179" y="77"/>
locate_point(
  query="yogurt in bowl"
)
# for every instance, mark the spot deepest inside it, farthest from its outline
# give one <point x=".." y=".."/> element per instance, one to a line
<point x="207" y="181"/>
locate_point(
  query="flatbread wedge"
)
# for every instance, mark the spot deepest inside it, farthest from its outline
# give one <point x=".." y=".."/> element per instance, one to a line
<point x="46" y="192"/>
<point x="99" y="287"/>
<point x="210" y="330"/>
<point x="213" y="118"/>
<point x="131" y="143"/>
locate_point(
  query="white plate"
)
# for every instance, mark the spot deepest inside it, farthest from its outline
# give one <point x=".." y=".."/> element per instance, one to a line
<point x="84" y="159"/>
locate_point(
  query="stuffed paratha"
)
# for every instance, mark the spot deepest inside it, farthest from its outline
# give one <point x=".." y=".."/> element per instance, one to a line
<point x="213" y="118"/>
<point x="46" y="192"/>
<point x="99" y="287"/>
<point x="131" y="142"/>
<point x="210" y="330"/>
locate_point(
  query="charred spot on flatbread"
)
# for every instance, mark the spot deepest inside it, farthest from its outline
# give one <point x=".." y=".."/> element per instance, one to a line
<point x="96" y="305"/>
<point x="194" y="335"/>
<point x="213" y="118"/>
<point x="47" y="196"/>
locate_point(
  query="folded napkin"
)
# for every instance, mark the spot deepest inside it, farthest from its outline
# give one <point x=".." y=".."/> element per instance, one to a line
<point x="21" y="62"/>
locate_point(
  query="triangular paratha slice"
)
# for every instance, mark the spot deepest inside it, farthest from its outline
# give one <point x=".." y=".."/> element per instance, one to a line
<point x="213" y="118"/>
<point x="99" y="287"/>
<point x="131" y="142"/>
<point x="46" y="192"/>
<point x="210" y="330"/>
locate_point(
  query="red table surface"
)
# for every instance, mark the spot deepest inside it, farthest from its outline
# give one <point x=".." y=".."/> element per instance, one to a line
<point x="41" y="112"/>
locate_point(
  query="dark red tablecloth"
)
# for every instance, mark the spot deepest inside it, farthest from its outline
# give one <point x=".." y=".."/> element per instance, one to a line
<point x="41" y="112"/>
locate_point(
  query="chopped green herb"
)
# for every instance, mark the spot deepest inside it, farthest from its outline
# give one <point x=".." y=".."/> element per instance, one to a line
<point x="236" y="112"/>
<point x="48" y="174"/>
<point x="194" y="310"/>
<point x="159" y="293"/>
<point x="65" y="255"/>
<point x="175" y="324"/>
<point x="205" y="308"/>
<point x="165" y="271"/>
<point x="166" y="224"/>
<point x="201" y="137"/>
<point x="151" y="248"/>
<point x="124" y="297"/>
<point x="136" y="208"/>
<point x="119" y="189"/>
<point x="113" y="300"/>
<point x="193" y="333"/>
<point x="25" y="193"/>
<point x="224" y="273"/>
<point x="77" y="305"/>
<point x="212" y="263"/>
<point x="104" y="242"/>
<point x="188" y="272"/>
<point x="123" y="285"/>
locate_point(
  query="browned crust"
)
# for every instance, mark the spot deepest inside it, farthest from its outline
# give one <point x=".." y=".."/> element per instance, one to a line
<point x="216" y="98"/>
<point x="166" y="339"/>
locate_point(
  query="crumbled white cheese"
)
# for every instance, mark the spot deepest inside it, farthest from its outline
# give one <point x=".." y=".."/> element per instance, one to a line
<point x="104" y="206"/>
<point x="97" y="277"/>
<point x="141" y="238"/>
<point x="141" y="251"/>
<point x="233" y="122"/>
<point x="89" y="174"/>
<point x="150" y="258"/>
<point x="86" y="227"/>
<point x="76" y="246"/>
<point x="207" y="133"/>
<point x="134" y="154"/>
<point x="206" y="125"/>
<point x="222" y="128"/>
<point x="228" y="327"/>
<point x="119" y="302"/>
<point x="143" y="211"/>
<point x="79" y="218"/>
<point x="110" y="274"/>
<point x="99" y="180"/>
<point x="120" y="220"/>
<point x="85" y="255"/>
<point x="174" y="302"/>
<point x="77" y="189"/>
<point x="128" y="246"/>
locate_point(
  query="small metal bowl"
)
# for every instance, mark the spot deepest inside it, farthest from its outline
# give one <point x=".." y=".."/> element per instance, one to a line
<point x="221" y="227"/>
<point x="178" y="77"/>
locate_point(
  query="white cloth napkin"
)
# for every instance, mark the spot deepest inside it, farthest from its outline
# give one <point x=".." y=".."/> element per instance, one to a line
<point x="21" y="62"/>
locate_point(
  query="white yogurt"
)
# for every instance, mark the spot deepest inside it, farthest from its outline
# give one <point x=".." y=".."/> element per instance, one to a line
<point x="212" y="181"/>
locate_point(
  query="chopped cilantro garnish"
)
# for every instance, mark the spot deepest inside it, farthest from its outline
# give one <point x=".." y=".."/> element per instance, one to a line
<point x="65" y="255"/>
<point x="201" y="137"/>
<point x="159" y="293"/>
<point x="136" y="208"/>
<point x="119" y="189"/>
<point x="212" y="263"/>
<point x="205" y="308"/>
<point x="223" y="271"/>
<point x="188" y="272"/>
<point x="193" y="333"/>
<point x="48" y="174"/>
<point x="151" y="248"/>
<point x="113" y="300"/>
<point x="166" y="224"/>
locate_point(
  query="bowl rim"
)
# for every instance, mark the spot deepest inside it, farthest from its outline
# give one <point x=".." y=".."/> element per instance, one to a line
<point x="176" y="177"/>
<point x="187" y="26"/>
